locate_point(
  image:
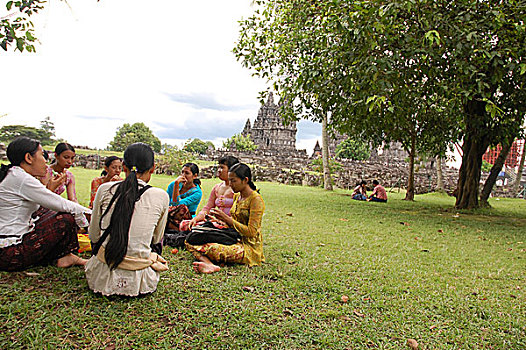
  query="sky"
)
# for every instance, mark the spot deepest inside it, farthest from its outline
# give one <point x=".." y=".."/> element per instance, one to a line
<point x="101" y="64"/>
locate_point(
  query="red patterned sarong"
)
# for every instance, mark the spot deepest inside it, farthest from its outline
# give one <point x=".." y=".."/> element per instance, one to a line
<point x="54" y="236"/>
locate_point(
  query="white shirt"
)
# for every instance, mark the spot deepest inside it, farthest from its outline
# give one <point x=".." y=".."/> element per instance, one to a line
<point x="147" y="226"/>
<point x="20" y="196"/>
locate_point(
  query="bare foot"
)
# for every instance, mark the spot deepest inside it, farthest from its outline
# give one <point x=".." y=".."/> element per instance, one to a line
<point x="71" y="260"/>
<point x="203" y="267"/>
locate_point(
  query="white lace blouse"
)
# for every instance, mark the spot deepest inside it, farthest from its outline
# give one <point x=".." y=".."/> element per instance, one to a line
<point x="147" y="226"/>
<point x="20" y="196"/>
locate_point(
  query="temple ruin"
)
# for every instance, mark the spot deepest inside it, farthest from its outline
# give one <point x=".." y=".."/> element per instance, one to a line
<point x="269" y="131"/>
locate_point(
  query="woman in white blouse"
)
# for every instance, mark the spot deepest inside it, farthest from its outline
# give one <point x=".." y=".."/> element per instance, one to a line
<point x="25" y="240"/>
<point x="128" y="217"/>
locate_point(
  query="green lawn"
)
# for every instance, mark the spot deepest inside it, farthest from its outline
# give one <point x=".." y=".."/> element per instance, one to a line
<point x="340" y="274"/>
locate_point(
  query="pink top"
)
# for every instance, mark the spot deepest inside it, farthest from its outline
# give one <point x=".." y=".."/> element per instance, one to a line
<point x="379" y="192"/>
<point x="70" y="179"/>
<point x="222" y="202"/>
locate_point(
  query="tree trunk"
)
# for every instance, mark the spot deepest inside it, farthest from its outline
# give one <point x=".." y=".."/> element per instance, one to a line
<point x="440" y="177"/>
<point x="410" y="194"/>
<point x="327" y="180"/>
<point x="516" y="184"/>
<point x="494" y="173"/>
<point x="476" y="142"/>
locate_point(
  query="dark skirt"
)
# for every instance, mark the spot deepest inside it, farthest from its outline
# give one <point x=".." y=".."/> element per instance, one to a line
<point x="54" y="236"/>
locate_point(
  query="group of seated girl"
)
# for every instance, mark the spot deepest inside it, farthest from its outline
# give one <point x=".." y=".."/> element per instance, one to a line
<point x="128" y="217"/>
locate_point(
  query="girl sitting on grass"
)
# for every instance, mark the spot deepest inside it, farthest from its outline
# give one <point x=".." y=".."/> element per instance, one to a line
<point x="26" y="239"/>
<point x="221" y="196"/>
<point x="128" y="217"/>
<point x="64" y="158"/>
<point x="246" y="214"/>
<point x="186" y="188"/>
<point x="112" y="171"/>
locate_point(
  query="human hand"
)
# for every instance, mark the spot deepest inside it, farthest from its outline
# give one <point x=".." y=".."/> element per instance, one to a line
<point x="180" y="179"/>
<point x="192" y="223"/>
<point x="219" y="215"/>
<point x="81" y="220"/>
<point x="56" y="181"/>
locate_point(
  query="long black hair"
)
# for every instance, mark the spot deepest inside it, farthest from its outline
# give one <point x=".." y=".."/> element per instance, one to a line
<point x="195" y="171"/>
<point x="16" y="153"/>
<point x="138" y="158"/>
<point x="107" y="163"/>
<point x="229" y="161"/>
<point x="242" y="171"/>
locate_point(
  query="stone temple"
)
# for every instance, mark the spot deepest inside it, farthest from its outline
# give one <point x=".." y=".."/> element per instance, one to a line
<point x="269" y="132"/>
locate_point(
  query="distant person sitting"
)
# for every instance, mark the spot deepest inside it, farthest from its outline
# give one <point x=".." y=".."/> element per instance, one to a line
<point x="379" y="194"/>
<point x="186" y="188"/>
<point x="112" y="171"/>
<point x="360" y="192"/>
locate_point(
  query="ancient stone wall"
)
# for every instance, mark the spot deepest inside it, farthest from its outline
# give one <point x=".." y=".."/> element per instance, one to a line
<point x="3" y="149"/>
<point x="295" y="169"/>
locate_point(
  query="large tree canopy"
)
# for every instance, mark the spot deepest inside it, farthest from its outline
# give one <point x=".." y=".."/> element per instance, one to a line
<point x="131" y="133"/>
<point x="45" y="134"/>
<point x="197" y="146"/>
<point x="413" y="71"/>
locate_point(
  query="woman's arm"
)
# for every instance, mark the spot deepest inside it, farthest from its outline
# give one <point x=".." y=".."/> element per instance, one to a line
<point x="175" y="193"/>
<point x="95" y="183"/>
<point x="33" y="190"/>
<point x="206" y="209"/>
<point x="158" y="233"/>
<point x="193" y="199"/>
<point x="72" y="194"/>
<point x="257" y="208"/>
<point x="211" y="202"/>
<point x="94" y="229"/>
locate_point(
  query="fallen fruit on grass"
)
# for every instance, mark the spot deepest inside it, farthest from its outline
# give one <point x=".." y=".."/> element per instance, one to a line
<point x="175" y="251"/>
<point x="345" y="298"/>
<point x="413" y="344"/>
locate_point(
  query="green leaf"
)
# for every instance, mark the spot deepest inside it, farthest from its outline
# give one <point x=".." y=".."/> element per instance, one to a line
<point x="20" y="44"/>
<point x="523" y="68"/>
<point x="30" y="36"/>
<point x="9" y="5"/>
